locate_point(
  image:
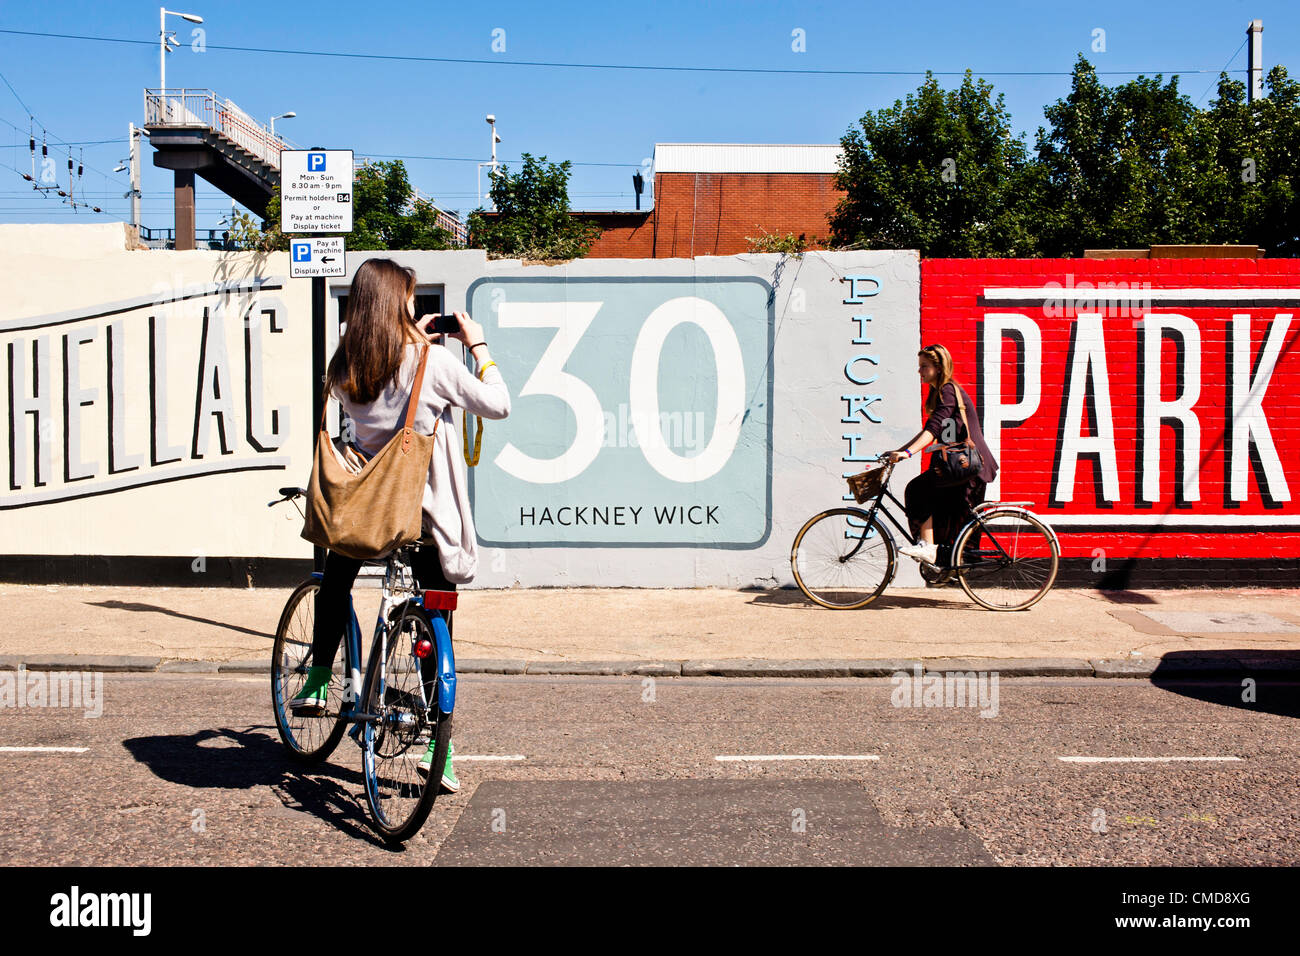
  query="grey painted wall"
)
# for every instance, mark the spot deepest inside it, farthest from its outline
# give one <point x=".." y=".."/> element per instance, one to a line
<point x="782" y="335"/>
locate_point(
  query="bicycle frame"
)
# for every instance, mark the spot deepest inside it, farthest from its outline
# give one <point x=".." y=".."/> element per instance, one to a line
<point x="445" y="679"/>
<point x="878" y="507"/>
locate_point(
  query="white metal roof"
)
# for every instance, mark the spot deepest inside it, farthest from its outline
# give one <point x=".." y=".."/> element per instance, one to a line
<point x="746" y="157"/>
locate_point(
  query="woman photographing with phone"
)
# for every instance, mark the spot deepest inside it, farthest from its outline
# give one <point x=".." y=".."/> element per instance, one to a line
<point x="372" y="374"/>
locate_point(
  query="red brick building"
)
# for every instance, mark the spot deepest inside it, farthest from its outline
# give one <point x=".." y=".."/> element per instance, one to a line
<point x="708" y="197"/>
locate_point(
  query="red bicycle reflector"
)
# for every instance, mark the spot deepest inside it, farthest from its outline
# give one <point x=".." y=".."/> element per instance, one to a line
<point x="440" y="600"/>
<point x="423" y="648"/>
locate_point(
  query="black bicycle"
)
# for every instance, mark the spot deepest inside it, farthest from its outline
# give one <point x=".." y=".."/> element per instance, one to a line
<point x="1005" y="557"/>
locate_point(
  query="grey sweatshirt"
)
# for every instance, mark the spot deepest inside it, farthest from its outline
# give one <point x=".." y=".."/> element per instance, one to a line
<point x="447" y="384"/>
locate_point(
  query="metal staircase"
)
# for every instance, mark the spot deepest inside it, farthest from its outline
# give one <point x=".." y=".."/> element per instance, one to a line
<point x="196" y="132"/>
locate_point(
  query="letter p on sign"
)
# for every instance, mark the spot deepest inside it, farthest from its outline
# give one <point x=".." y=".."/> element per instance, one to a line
<point x="315" y="162"/>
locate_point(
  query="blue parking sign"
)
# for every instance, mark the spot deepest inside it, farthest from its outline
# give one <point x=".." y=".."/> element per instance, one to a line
<point x="302" y="252"/>
<point x="315" y="162"/>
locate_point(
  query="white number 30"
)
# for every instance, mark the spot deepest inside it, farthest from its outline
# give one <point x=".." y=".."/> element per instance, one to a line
<point x="572" y="319"/>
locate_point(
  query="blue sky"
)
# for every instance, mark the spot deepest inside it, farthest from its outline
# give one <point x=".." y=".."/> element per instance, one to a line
<point x="605" y="121"/>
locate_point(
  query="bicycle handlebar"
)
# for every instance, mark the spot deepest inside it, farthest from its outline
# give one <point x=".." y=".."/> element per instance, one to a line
<point x="289" y="495"/>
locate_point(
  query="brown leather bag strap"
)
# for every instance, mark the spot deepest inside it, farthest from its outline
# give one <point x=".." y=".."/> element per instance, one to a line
<point x="961" y="407"/>
<point x="413" y="401"/>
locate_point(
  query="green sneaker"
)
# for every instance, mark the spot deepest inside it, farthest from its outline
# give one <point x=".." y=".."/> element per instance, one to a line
<point x="449" y="781"/>
<point x="310" y="701"/>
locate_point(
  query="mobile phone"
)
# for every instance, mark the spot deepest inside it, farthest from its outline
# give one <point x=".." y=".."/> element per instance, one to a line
<point x="446" y="324"/>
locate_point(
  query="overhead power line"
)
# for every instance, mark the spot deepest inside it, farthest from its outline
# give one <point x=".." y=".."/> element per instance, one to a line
<point x="1224" y="70"/>
<point x="496" y="61"/>
<point x="471" y="159"/>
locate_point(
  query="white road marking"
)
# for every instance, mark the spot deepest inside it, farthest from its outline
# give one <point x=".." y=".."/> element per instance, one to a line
<point x="44" y="750"/>
<point x="484" y="757"/>
<point x="755" y="757"/>
<point x="1137" y="759"/>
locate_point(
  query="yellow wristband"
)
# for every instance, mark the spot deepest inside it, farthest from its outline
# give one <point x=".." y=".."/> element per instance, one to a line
<point x="484" y="369"/>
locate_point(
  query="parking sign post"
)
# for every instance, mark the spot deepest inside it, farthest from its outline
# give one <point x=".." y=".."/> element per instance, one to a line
<point x="316" y="197"/>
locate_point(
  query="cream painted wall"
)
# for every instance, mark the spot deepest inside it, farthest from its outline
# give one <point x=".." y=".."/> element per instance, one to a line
<point x="75" y="303"/>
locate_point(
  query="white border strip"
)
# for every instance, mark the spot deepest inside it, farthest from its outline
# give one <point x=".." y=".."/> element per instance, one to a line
<point x="1138" y="759"/>
<point x="44" y="750"/>
<point x="756" y="757"/>
<point x="1129" y="294"/>
<point x="1171" y="521"/>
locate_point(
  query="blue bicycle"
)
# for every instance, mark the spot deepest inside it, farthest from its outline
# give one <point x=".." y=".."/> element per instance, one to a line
<point x="404" y="700"/>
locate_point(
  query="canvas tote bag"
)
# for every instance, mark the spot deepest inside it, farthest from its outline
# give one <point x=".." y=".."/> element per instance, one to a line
<point x="372" y="512"/>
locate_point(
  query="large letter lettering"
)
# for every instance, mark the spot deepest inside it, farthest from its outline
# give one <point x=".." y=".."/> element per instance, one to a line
<point x="1156" y="412"/>
<point x="1248" y="423"/>
<point x="1089" y="364"/>
<point x="549" y="378"/>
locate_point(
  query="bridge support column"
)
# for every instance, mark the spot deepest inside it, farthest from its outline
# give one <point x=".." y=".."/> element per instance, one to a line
<point x="184" y="199"/>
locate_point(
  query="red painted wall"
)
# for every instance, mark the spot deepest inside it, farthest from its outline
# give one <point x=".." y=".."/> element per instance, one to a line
<point x="1105" y="364"/>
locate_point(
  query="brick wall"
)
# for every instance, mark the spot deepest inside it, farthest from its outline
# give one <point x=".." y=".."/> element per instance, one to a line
<point x="1197" y="337"/>
<point x="710" y="214"/>
<point x="625" y="236"/>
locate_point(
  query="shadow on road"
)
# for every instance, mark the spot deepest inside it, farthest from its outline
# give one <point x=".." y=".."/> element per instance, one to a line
<point x="1267" y="681"/>
<point x="137" y="606"/>
<point x="230" y="759"/>
<point x="793" y="598"/>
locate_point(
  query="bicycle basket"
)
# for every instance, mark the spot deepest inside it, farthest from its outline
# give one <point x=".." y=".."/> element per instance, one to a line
<point x="868" y="484"/>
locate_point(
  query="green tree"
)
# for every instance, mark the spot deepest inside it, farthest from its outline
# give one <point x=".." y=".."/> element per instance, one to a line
<point x="532" y="220"/>
<point x="1138" y="164"/>
<point x="1240" y="167"/>
<point x="385" y="215"/>
<point x="1113" y="164"/>
<point x="940" y="172"/>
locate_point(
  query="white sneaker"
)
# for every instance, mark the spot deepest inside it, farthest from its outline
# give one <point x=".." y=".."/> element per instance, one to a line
<point x="926" y="553"/>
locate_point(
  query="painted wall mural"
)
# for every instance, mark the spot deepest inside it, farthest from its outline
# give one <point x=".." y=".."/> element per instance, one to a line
<point x="1142" y="404"/>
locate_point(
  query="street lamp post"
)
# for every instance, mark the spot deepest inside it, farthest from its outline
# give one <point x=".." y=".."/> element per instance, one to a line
<point x="289" y="115"/>
<point x="492" y="122"/>
<point x="164" y="40"/>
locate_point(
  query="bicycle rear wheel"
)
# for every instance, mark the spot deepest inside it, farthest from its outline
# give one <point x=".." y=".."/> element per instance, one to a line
<point x="841" y="559"/>
<point x="308" y="739"/>
<point x="400" y="796"/>
<point x="1010" y="563"/>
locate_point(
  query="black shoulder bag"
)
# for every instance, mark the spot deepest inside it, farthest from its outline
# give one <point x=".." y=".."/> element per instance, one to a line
<point x="959" y="462"/>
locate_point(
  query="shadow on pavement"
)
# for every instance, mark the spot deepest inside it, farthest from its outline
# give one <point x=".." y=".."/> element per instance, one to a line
<point x="1220" y="677"/>
<point x="137" y="606"/>
<point x="1124" y="597"/>
<point x="244" y="759"/>
<point x="793" y="598"/>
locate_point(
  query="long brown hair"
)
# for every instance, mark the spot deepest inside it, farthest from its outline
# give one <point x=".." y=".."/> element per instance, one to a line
<point x="941" y="358"/>
<point x="378" y="328"/>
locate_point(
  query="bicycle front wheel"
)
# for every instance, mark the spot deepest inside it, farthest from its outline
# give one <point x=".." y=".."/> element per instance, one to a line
<point x="308" y="739"/>
<point x="842" y="559"/>
<point x="406" y="718"/>
<point x="1009" y="563"/>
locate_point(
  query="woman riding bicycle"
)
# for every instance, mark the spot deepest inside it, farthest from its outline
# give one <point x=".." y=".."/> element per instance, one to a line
<point x="371" y="374"/>
<point x="936" y="512"/>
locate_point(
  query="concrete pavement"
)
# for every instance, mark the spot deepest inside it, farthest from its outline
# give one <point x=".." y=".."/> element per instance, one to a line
<point x="700" y="631"/>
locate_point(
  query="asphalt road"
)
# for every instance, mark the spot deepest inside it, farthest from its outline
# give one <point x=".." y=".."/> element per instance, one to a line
<point x="188" y="770"/>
